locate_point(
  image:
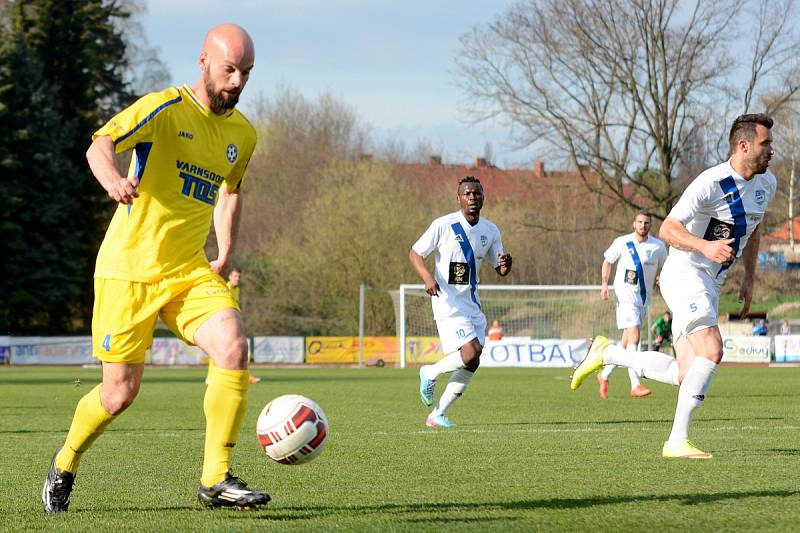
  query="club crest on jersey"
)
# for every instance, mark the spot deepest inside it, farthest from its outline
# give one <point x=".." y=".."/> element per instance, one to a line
<point x="232" y="152"/>
<point x="718" y="230"/>
<point x="459" y="274"/>
<point x="761" y="195"/>
<point x="484" y="240"/>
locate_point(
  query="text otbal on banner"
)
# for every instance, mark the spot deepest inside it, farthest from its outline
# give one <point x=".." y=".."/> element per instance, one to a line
<point x="534" y="353"/>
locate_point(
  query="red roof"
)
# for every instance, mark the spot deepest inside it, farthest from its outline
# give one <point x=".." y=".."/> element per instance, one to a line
<point x="526" y="183"/>
<point x="781" y="235"/>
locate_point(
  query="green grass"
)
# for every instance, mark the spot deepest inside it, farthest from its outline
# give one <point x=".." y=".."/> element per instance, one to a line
<point x="729" y="303"/>
<point x="527" y="454"/>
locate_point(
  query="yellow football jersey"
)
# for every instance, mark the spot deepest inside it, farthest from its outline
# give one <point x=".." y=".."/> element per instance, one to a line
<point x="183" y="154"/>
<point x="234" y="292"/>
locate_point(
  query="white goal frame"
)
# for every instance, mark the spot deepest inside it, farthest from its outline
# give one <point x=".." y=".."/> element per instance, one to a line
<point x="405" y="288"/>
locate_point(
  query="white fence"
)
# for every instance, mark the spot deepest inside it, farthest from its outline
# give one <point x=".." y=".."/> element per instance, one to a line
<point x="509" y="352"/>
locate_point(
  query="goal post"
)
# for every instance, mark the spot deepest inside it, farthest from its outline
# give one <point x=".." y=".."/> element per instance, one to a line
<point x="524" y="311"/>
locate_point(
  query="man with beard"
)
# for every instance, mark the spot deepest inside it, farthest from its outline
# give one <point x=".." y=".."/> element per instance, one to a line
<point x="715" y="221"/>
<point x="462" y="240"/>
<point x="191" y="149"/>
<point x="638" y="256"/>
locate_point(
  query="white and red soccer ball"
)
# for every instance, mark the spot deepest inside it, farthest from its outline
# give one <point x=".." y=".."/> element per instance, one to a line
<point x="292" y="429"/>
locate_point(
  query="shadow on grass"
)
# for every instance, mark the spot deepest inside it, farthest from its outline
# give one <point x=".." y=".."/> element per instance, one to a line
<point x="299" y="513"/>
<point x="439" y="510"/>
<point x="784" y="451"/>
<point x="399" y="509"/>
<point x="603" y="422"/>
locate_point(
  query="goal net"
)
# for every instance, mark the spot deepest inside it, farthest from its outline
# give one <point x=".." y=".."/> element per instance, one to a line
<point x="524" y="311"/>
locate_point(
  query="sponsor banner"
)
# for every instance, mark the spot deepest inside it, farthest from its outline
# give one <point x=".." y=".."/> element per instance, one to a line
<point x="346" y="349"/>
<point x="278" y="349"/>
<point x="51" y="351"/>
<point x="5" y="349"/>
<point x="173" y="351"/>
<point x="421" y="350"/>
<point x="534" y="353"/>
<point x="746" y="349"/>
<point x="787" y="348"/>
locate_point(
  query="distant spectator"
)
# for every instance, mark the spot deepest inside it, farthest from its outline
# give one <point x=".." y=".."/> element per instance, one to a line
<point x="786" y="329"/>
<point x="662" y="330"/>
<point x="495" y="331"/>
<point x="760" y="328"/>
<point x="233" y="283"/>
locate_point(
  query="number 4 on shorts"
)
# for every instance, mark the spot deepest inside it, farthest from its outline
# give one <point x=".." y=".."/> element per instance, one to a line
<point x="107" y="343"/>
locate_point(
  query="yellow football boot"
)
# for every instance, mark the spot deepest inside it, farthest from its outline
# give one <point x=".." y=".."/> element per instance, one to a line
<point x="591" y="363"/>
<point x="683" y="449"/>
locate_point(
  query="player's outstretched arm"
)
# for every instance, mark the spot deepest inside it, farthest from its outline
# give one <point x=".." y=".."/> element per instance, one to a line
<point x="504" y="266"/>
<point x="100" y="156"/>
<point x="675" y="234"/>
<point x="750" y="258"/>
<point x="605" y="273"/>
<point x="418" y="263"/>
<point x="227" y="213"/>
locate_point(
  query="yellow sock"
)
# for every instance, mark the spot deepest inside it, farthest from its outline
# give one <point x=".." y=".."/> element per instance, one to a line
<point x="224" y="405"/>
<point x="89" y="422"/>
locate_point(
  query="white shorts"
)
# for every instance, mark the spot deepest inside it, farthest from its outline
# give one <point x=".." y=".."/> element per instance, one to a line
<point x="692" y="296"/>
<point x="456" y="331"/>
<point x="630" y="314"/>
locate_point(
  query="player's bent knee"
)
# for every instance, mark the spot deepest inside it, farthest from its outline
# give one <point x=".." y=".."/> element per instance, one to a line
<point x="115" y="402"/>
<point x="474" y="364"/>
<point x="234" y="355"/>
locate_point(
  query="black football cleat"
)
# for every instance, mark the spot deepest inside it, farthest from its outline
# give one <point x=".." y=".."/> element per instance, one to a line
<point x="231" y="492"/>
<point x="57" y="488"/>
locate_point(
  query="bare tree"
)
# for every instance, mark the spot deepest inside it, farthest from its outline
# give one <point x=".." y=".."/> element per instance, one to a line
<point x="787" y="139"/>
<point x="622" y="89"/>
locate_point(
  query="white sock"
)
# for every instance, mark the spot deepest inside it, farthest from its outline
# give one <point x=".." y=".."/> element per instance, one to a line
<point x="455" y="388"/>
<point x="691" y="395"/>
<point x="632" y="374"/>
<point x="607" y="370"/>
<point x="652" y="365"/>
<point x="448" y="363"/>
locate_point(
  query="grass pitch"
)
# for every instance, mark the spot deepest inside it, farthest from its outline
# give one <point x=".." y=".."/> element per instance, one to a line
<point x="528" y="454"/>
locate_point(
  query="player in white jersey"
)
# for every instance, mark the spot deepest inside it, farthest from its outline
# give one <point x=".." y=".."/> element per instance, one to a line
<point x="638" y="256"/>
<point x="462" y="241"/>
<point x="715" y="222"/>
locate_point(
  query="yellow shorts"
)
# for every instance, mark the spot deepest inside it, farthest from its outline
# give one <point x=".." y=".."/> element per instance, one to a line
<point x="125" y="312"/>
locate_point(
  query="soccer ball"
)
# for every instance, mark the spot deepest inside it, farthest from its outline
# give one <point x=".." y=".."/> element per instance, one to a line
<point x="292" y="429"/>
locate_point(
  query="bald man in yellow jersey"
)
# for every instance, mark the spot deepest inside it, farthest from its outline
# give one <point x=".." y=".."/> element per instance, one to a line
<point x="191" y="149"/>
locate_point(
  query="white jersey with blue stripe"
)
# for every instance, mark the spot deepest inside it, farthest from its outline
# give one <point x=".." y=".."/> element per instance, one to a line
<point x="721" y="204"/>
<point x="637" y="266"/>
<point x="460" y="250"/>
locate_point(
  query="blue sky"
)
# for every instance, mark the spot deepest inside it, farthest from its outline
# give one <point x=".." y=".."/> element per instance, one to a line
<point x="391" y="61"/>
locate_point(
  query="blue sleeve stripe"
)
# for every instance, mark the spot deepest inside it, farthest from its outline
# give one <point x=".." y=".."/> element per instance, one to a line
<point x="142" y="152"/>
<point x="148" y="118"/>
<point x="639" y="271"/>
<point x="739" y="215"/>
<point x="469" y="255"/>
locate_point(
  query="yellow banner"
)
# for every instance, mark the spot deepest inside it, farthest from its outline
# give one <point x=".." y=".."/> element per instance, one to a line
<point x="345" y="350"/>
<point x="423" y="350"/>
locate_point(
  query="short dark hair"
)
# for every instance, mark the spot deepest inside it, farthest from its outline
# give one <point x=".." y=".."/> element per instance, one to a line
<point x="236" y="269"/>
<point x="469" y="179"/>
<point x="645" y="213"/>
<point x="744" y="127"/>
